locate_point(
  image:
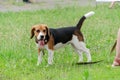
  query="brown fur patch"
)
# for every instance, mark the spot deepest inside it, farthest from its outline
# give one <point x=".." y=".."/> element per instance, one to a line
<point x="51" y="43"/>
<point x="79" y="35"/>
<point x="39" y="51"/>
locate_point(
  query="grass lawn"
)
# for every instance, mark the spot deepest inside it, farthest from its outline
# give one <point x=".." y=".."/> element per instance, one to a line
<point x="18" y="53"/>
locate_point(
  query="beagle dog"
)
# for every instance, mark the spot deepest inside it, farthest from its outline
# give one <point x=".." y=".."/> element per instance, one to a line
<point x="52" y="39"/>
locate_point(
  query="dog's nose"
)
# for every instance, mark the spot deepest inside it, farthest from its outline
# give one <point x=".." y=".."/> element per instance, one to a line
<point x="41" y="36"/>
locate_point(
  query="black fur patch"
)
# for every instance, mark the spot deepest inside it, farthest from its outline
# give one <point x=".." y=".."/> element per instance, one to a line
<point x="47" y="36"/>
<point x="62" y="35"/>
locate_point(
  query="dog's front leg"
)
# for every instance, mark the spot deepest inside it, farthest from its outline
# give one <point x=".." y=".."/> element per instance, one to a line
<point x="40" y="54"/>
<point x="50" y="56"/>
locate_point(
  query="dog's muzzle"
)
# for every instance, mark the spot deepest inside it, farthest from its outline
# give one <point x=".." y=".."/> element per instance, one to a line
<point x="41" y="41"/>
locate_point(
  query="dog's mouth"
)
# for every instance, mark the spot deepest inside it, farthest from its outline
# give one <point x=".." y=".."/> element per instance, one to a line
<point x="41" y="43"/>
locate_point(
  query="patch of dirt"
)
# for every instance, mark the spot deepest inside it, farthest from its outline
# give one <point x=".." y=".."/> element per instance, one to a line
<point x="18" y="5"/>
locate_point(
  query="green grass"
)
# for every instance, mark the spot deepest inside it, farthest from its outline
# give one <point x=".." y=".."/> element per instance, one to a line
<point x="18" y="53"/>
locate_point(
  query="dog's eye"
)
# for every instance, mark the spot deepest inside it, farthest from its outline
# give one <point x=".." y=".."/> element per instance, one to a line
<point x="44" y="30"/>
<point x="37" y="31"/>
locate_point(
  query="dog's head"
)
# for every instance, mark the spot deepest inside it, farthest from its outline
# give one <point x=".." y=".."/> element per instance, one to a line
<point x="41" y="33"/>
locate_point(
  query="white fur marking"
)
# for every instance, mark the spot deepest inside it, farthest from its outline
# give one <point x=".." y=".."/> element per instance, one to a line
<point x="39" y="58"/>
<point x="79" y="53"/>
<point x="39" y="36"/>
<point x="89" y="14"/>
<point x="58" y="45"/>
<point x="80" y="46"/>
<point x="50" y="56"/>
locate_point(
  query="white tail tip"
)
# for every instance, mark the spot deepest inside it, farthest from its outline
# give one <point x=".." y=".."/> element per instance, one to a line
<point x="89" y="14"/>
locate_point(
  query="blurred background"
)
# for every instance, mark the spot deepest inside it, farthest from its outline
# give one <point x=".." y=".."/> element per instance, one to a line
<point x="17" y="5"/>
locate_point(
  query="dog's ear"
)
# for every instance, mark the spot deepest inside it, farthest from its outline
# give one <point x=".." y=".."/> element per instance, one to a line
<point x="48" y="34"/>
<point x="32" y="32"/>
<point x="48" y="31"/>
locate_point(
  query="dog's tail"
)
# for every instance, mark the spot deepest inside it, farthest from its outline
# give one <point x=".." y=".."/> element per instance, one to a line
<point x="113" y="46"/>
<point x="83" y="18"/>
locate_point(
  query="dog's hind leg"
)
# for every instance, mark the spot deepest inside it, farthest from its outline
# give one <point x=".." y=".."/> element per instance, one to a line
<point x="79" y="53"/>
<point x="87" y="52"/>
<point x="81" y="47"/>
